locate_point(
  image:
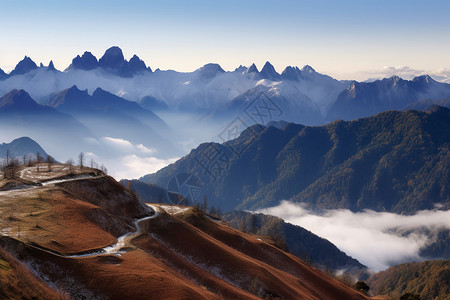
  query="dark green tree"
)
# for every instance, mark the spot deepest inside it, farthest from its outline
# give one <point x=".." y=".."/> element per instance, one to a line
<point x="362" y="286"/>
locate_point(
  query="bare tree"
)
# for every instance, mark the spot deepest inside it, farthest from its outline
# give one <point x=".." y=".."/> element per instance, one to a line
<point x="81" y="159"/>
<point x="39" y="159"/>
<point x="70" y="164"/>
<point x="50" y="160"/>
<point x="8" y="156"/>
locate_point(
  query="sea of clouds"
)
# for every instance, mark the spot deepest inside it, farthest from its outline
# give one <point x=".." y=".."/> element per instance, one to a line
<point x="377" y="239"/>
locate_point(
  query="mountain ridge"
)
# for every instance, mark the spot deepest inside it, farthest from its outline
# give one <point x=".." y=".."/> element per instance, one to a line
<point x="345" y="164"/>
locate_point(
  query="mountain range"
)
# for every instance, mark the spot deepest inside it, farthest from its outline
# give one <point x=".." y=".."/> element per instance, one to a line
<point x="302" y="95"/>
<point x="123" y="104"/>
<point x="20" y="115"/>
<point x="394" y="161"/>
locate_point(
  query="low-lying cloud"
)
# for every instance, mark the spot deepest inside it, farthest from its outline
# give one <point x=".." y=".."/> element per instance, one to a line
<point x="377" y="239"/>
<point x="133" y="166"/>
<point x="405" y="72"/>
<point x="126" y="160"/>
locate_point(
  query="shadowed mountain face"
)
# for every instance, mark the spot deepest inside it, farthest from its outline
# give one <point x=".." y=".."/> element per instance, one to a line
<point x="215" y="96"/>
<point x="21" y="147"/>
<point x="24" y="66"/>
<point x="109" y="115"/>
<point x="394" y="161"/>
<point x="366" y="99"/>
<point x="85" y="62"/>
<point x="20" y="115"/>
<point x="3" y="75"/>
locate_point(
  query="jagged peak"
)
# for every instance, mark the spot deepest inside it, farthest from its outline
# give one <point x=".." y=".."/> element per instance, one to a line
<point x="268" y="65"/>
<point x="51" y="66"/>
<point x="423" y="78"/>
<point x="112" y="58"/>
<point x="309" y="69"/>
<point x="210" y="70"/>
<point x="241" y="68"/>
<point x="291" y="73"/>
<point x="17" y="98"/>
<point x="85" y="62"/>
<point x="75" y="91"/>
<point x="24" y="66"/>
<point x="252" y="69"/>
<point x="269" y="72"/>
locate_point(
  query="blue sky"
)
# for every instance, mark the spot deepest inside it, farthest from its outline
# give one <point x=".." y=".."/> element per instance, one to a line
<point x="346" y="39"/>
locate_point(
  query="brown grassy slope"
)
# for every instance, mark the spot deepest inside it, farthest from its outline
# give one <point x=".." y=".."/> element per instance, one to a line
<point x="58" y="220"/>
<point x="109" y="195"/>
<point x="248" y="264"/>
<point x="17" y="282"/>
<point x="184" y="256"/>
<point x="429" y="279"/>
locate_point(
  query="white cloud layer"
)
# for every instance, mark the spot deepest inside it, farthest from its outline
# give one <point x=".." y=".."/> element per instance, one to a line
<point x="133" y="166"/>
<point x="405" y="72"/>
<point x="377" y="239"/>
<point x="127" y="160"/>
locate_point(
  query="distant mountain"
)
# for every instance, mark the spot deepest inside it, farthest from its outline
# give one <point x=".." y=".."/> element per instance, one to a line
<point x="112" y="61"/>
<point x="252" y="72"/>
<point x="24" y="66"/>
<point x="20" y="115"/>
<point x="428" y="279"/>
<point x="299" y="241"/>
<point x="215" y="97"/>
<point x="209" y="71"/>
<point x="3" y="75"/>
<point x="366" y="99"/>
<point x="85" y="62"/>
<point x="21" y="147"/>
<point x="153" y="104"/>
<point x="394" y="161"/>
<point x="79" y="102"/>
<point x="268" y="72"/>
<point x="109" y="115"/>
<point x="428" y="104"/>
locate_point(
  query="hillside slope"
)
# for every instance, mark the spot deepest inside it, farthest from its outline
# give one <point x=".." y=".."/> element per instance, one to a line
<point x="297" y="240"/>
<point x="65" y="229"/>
<point x="293" y="239"/>
<point x="429" y="279"/>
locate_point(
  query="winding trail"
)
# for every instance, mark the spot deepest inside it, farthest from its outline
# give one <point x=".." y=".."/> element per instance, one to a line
<point x="114" y="249"/>
<point x="122" y="242"/>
